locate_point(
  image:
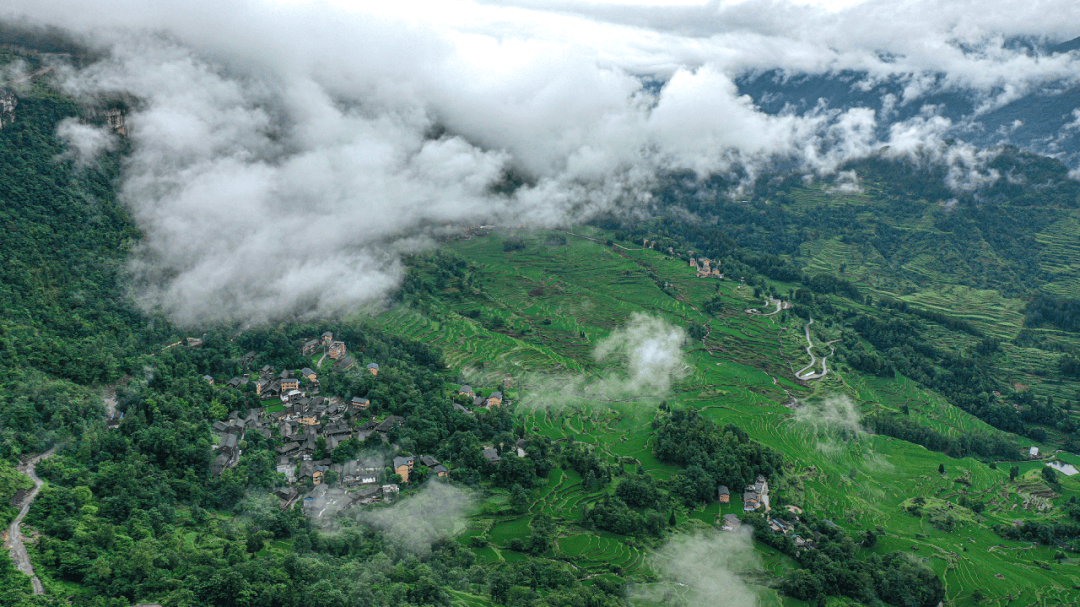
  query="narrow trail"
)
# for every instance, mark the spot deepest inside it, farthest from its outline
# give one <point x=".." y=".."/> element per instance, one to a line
<point x="15" y="541"/>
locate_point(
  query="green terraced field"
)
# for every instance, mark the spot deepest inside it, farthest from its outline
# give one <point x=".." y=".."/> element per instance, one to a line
<point x="743" y="375"/>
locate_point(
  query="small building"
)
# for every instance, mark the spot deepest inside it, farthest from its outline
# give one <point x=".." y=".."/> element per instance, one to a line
<point x="1033" y="452"/>
<point x="327" y="338"/>
<point x="440" y="470"/>
<point x="495" y="399"/>
<point x="403" y="466"/>
<point x="194" y="342"/>
<point x="360" y="403"/>
<point x="723" y="494"/>
<point x="308" y="374"/>
<point x="290" y="384"/>
<point x="337" y="350"/>
<point x="491" y="455"/>
<point x="731" y="523"/>
<point x="309" y="347"/>
<point x="373" y="368"/>
<point x="345" y="364"/>
<point x="208" y="379"/>
<point x="427" y="460"/>
<point x="467" y="391"/>
<point x="235" y="382"/>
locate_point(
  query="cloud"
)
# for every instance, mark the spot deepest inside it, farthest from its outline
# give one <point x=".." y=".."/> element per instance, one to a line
<point x="652" y="349"/>
<point x="705" y="569"/>
<point x="833" y="413"/>
<point x="439" y="510"/>
<point x="284" y="156"/>
<point x="85" y="142"/>
<point x="647" y="356"/>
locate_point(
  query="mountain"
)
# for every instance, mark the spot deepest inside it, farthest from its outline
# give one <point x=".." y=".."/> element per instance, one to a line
<point x="1040" y="120"/>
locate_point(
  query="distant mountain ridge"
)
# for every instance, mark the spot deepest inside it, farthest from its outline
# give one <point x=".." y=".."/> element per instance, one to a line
<point x="1041" y="121"/>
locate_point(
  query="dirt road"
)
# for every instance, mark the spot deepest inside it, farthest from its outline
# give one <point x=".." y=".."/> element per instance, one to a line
<point x="15" y="541"/>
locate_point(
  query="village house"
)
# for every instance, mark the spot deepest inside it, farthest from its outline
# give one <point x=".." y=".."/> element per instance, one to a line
<point x="724" y="494"/>
<point x="345" y="364"/>
<point x="208" y="379"/>
<point x="403" y="466"/>
<point x="309" y="347"/>
<point x="1033" y="452"/>
<point x="491" y="455"/>
<point x="494" y="400"/>
<point x="373" y="368"/>
<point x="467" y="391"/>
<point x="337" y="350"/>
<point x="194" y="342"/>
<point x="327" y="339"/>
<point x="359" y="403"/>
<point x="756" y="495"/>
<point x="236" y="382"/>
<point x="308" y="374"/>
<point x="290" y="384"/>
<point x="731" y="523"/>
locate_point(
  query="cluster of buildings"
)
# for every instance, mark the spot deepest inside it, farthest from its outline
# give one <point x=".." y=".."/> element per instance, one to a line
<point x="704" y="268"/>
<point x="492" y="400"/>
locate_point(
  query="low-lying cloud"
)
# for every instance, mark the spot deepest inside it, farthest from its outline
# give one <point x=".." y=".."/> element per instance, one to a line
<point x="644" y="358"/>
<point x="439" y="510"/>
<point x="703" y="570"/>
<point x="285" y="156"/>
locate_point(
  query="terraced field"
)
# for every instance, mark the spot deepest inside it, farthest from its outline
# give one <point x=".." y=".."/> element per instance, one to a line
<point x="742" y="374"/>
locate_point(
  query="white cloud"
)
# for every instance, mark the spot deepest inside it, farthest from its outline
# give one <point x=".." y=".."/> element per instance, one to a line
<point x="283" y="155"/>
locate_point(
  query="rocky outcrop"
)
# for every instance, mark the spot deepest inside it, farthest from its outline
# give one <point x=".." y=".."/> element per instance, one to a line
<point x="8" y="101"/>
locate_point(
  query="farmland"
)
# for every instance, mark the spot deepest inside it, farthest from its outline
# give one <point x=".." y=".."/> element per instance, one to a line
<point x="561" y="293"/>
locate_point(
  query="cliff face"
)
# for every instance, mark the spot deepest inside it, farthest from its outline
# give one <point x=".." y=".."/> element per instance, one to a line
<point x="8" y="101"/>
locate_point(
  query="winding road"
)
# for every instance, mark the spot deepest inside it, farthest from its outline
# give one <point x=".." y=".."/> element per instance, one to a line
<point x="15" y="542"/>
<point x="805" y="374"/>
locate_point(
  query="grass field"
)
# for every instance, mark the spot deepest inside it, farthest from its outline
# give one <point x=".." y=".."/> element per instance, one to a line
<point x="557" y="301"/>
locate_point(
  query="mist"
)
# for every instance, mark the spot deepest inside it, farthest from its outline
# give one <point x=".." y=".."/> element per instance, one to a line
<point x="703" y="570"/>
<point x="438" y="510"/>
<point x="644" y="357"/>
<point x="285" y="156"/>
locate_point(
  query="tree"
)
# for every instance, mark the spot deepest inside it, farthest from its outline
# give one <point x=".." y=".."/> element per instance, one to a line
<point x="1014" y="472"/>
<point x="1050" y="476"/>
<point x="941" y="468"/>
<point x="671" y="519"/>
<point x="519" y="499"/>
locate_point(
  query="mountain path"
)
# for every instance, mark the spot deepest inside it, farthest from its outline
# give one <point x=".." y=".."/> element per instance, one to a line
<point x="15" y="541"/>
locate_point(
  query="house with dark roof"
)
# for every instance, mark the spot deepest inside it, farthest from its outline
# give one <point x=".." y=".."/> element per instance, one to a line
<point x="235" y="382"/>
<point x="309" y="347"/>
<point x="723" y="494"/>
<point x="327" y="338"/>
<point x="467" y="391"/>
<point x="308" y="374"/>
<point x="440" y="470"/>
<point x="403" y="466"/>
<point x="337" y="350"/>
<point x="427" y="460"/>
<point x="345" y="364"/>
<point x="359" y="403"/>
<point x="491" y="455"/>
<point x="290" y="384"/>
<point x="495" y="399"/>
<point x="208" y="379"/>
<point x="373" y="368"/>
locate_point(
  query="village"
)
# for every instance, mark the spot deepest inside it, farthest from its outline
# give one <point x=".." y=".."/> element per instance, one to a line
<point x="306" y="423"/>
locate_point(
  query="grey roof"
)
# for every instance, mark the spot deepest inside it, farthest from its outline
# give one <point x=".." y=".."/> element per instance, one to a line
<point x="306" y="371"/>
<point x="491" y="455"/>
<point x="439" y="468"/>
<point x="479" y="401"/>
<point x="328" y="334"/>
<point x="373" y="365"/>
<point x="497" y="395"/>
<point x="466" y="389"/>
<point x="312" y="342"/>
<point x="723" y="490"/>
